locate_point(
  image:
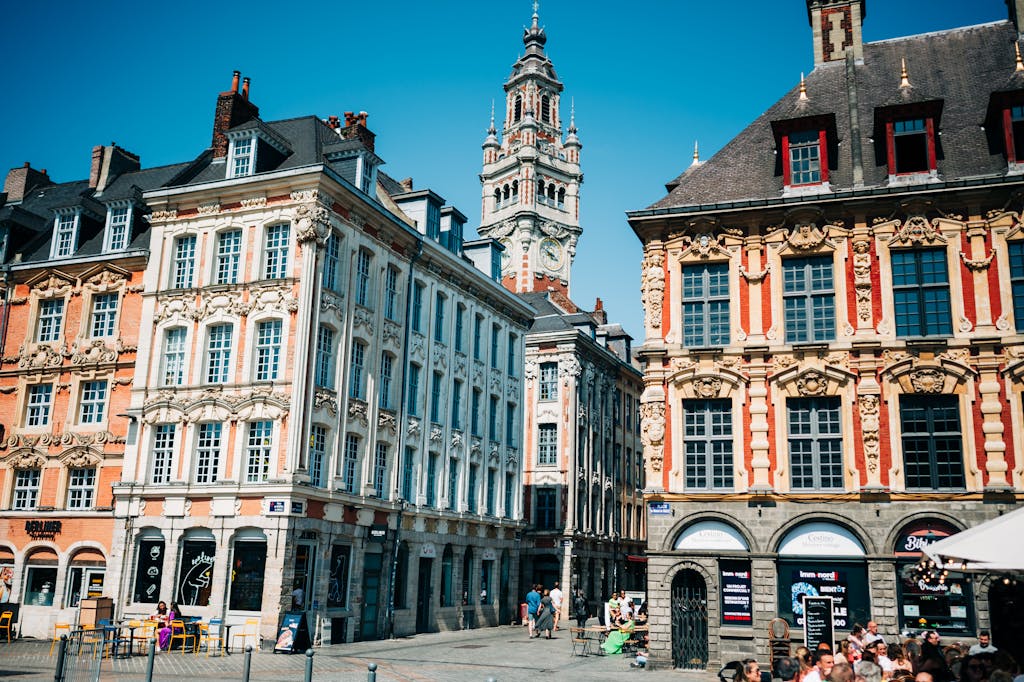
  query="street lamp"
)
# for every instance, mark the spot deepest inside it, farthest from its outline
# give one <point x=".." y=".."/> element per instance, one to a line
<point x="394" y="569"/>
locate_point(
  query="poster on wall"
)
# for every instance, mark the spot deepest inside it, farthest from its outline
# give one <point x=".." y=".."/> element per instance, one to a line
<point x="148" y="569"/>
<point x="196" y="573"/>
<point x="816" y="583"/>
<point x="737" y="593"/>
<point x="6" y="583"/>
<point x="337" y="587"/>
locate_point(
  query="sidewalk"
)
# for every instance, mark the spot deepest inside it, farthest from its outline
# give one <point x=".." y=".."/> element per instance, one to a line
<point x="504" y="653"/>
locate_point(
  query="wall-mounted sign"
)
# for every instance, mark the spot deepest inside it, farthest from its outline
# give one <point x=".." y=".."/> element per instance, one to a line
<point x="711" y="535"/>
<point x="825" y="584"/>
<point x="275" y="506"/>
<point x="659" y="509"/>
<point x="298" y="507"/>
<point x="42" y="529"/>
<point x="737" y="593"/>
<point x="428" y="551"/>
<point x="915" y="539"/>
<point x="378" y="533"/>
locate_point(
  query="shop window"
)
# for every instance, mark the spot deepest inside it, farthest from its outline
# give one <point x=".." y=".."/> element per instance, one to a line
<point x="6" y="575"/>
<point x="737" y="592"/>
<point x="808" y="296"/>
<point x="149" y="565"/>
<point x="467" y="577"/>
<point x="487" y="595"/>
<point x="39" y="585"/>
<point x="195" y="570"/>
<point x="932" y="442"/>
<point x="706" y="305"/>
<point x="86" y="575"/>
<point x="402" y="577"/>
<point x="946" y="606"/>
<point x="1016" y="252"/>
<point x="337" y="585"/>
<point x="708" y="443"/>
<point x="920" y="280"/>
<point x="446" y="577"/>
<point x="247" y="571"/>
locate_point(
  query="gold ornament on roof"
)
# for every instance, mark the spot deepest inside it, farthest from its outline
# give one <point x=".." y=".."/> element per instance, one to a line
<point x="904" y="80"/>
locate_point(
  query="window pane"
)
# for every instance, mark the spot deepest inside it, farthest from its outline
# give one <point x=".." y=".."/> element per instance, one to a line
<point x="706" y="305"/>
<point x="932" y="442"/>
<point x="815" y="443"/>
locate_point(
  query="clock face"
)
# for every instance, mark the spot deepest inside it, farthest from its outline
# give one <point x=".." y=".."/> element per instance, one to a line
<point x="551" y="253"/>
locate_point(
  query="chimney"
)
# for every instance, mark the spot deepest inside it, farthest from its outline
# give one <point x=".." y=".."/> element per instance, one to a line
<point x="1016" y="8"/>
<point x="355" y="128"/>
<point x="600" y="315"/>
<point x="406" y="184"/>
<point x="21" y="181"/>
<point x="334" y="122"/>
<point x="108" y="163"/>
<point x="233" y="109"/>
<point x="836" y="29"/>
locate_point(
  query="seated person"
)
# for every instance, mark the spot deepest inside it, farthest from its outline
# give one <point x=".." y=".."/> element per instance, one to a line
<point x="641" y="659"/>
<point x="619" y="636"/>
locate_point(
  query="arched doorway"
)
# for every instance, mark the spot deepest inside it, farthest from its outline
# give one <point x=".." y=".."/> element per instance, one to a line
<point x="689" y="621"/>
<point x="1006" y="611"/>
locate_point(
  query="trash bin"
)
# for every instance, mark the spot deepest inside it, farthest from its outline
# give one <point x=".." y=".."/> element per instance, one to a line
<point x="523" y="614"/>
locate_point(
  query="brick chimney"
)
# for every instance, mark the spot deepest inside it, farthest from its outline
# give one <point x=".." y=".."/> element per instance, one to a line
<point x="108" y="163"/>
<point x="406" y="184"/>
<point x="233" y="109"/>
<point x="20" y="181"/>
<point x="355" y="128"/>
<point x="836" y="29"/>
<point x="600" y="315"/>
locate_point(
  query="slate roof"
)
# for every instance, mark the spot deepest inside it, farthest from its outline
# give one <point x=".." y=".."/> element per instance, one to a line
<point x="961" y="67"/>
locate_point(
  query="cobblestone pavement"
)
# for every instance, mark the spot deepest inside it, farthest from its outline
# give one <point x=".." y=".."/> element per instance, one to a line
<point x="504" y="653"/>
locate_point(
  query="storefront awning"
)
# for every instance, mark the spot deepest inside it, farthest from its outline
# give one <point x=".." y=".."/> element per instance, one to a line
<point x="637" y="558"/>
<point x="986" y="547"/>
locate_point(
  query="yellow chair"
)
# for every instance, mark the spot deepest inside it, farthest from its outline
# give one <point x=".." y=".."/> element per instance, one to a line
<point x="57" y="629"/>
<point x="205" y="636"/>
<point x="5" y="623"/>
<point x="178" y="632"/>
<point x="144" y="631"/>
<point x="93" y="638"/>
<point x="251" y="630"/>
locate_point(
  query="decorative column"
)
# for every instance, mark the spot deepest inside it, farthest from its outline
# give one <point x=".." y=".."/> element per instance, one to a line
<point x="860" y="243"/>
<point x="757" y="370"/>
<point x="653" y="294"/>
<point x="989" y="388"/>
<point x="755" y="276"/>
<point x="978" y="263"/>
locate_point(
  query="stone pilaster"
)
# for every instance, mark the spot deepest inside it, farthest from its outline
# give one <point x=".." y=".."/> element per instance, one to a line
<point x="759" y="442"/>
<point x="992" y="406"/>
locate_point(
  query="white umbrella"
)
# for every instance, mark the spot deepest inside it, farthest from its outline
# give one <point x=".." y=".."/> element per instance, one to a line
<point x="995" y="545"/>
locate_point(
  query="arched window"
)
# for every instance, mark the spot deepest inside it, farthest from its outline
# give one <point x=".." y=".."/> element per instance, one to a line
<point x="551" y="192"/>
<point x="515" y="189"/>
<point x="195" y="568"/>
<point x="248" y="567"/>
<point x="497" y="198"/>
<point x="505" y="192"/>
<point x="561" y="197"/>
<point x="545" y="109"/>
<point x="446" y="577"/>
<point x="517" y="108"/>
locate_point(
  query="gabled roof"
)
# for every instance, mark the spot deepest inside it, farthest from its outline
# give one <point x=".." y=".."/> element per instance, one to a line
<point x="961" y="68"/>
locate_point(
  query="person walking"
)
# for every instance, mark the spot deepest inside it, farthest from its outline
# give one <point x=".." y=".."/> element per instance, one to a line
<point x="580" y="609"/>
<point x="545" y="616"/>
<point x="532" y="604"/>
<point x="556" y="602"/>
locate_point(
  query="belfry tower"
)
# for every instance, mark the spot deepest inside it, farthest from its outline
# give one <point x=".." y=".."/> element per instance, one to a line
<point x="531" y="176"/>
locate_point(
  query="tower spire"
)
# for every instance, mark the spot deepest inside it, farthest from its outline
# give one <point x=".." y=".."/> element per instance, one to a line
<point x="491" y="129"/>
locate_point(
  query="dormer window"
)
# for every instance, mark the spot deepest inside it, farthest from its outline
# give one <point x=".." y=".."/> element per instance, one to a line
<point x="806" y="151"/>
<point x="1014" y="125"/>
<point x="433" y="221"/>
<point x="65" y="235"/>
<point x="243" y="161"/>
<point x="118" y="232"/>
<point x="365" y="174"/>
<point x="911" y="147"/>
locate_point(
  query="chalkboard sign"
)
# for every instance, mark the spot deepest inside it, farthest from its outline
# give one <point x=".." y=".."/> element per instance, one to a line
<point x="293" y="635"/>
<point x="818" y="624"/>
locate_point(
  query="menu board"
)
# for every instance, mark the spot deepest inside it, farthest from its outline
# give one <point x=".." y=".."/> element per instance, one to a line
<point x="737" y="593"/>
<point x="818" y="625"/>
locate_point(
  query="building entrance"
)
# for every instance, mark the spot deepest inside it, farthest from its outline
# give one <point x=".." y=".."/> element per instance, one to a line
<point x="423" y="592"/>
<point x="689" y="621"/>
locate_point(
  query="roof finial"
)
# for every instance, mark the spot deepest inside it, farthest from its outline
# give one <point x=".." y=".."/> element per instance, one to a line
<point x="696" y="154"/>
<point x="1016" y="50"/>
<point x="904" y="80"/>
<point x="572" y="113"/>
<point x="491" y="129"/>
<point x="803" y="87"/>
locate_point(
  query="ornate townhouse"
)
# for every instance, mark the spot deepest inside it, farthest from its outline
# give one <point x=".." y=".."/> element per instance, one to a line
<point x="318" y="344"/>
<point x="834" y="346"/>
<point x="72" y="256"/>
<point x="583" y="475"/>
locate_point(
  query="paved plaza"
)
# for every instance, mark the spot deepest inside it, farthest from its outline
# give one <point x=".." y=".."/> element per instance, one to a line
<point x="504" y="653"/>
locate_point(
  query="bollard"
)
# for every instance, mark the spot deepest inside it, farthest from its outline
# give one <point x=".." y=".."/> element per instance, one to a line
<point x="248" y="663"/>
<point x="371" y="676"/>
<point x="309" y="665"/>
<point x="62" y="650"/>
<point x="150" y="657"/>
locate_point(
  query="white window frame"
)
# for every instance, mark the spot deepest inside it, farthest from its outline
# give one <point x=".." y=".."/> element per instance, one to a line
<point x="218" y="354"/>
<point x="38" y="407"/>
<point x="269" y="335"/>
<point x="183" y="262"/>
<point x="242" y="157"/>
<point x="26" y="488"/>
<point x="276" y="241"/>
<point x="259" y="446"/>
<point x="209" y="446"/>
<point x="81" y="488"/>
<point x="51" y="312"/>
<point x="118" y="230"/>
<point x="173" y="361"/>
<point x="93" y="402"/>
<point x="103" y="317"/>
<point x="162" y="453"/>
<point x="227" y="257"/>
<point x="65" y="234"/>
<point x="317" y="455"/>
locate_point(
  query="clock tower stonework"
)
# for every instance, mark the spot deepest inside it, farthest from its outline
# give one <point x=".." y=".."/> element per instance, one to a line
<point x="531" y="176"/>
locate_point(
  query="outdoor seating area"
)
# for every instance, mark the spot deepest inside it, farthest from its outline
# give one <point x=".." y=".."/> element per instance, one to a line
<point x="130" y="637"/>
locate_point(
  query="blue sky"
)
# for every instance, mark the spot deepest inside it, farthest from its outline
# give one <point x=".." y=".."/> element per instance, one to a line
<point x="648" y="77"/>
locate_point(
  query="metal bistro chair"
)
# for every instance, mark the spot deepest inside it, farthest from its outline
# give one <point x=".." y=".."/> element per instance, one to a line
<point x="251" y="629"/>
<point x="209" y="633"/>
<point x="580" y="642"/>
<point x="58" y="628"/>
<point x="5" y="623"/>
<point x="178" y="631"/>
<point x="144" y="631"/>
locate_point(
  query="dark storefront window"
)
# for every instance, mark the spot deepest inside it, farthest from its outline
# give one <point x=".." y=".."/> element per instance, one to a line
<point x="946" y="606"/>
<point x="337" y="588"/>
<point x="195" y="572"/>
<point x="845" y="582"/>
<point x="247" y="572"/>
<point x="148" y="571"/>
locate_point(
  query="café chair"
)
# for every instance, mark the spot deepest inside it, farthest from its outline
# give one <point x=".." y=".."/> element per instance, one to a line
<point x="210" y="633"/>
<point x="57" y="629"/>
<point x="5" y="623"/>
<point x="178" y="632"/>
<point x="251" y="630"/>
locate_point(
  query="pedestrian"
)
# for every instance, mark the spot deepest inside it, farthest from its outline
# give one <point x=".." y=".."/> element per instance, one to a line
<point x="580" y="609"/>
<point x="984" y="645"/>
<point x="871" y="635"/>
<point x="750" y="671"/>
<point x="532" y="604"/>
<point x="545" y="616"/>
<point x="556" y="602"/>
<point x="787" y="669"/>
<point x="823" y="663"/>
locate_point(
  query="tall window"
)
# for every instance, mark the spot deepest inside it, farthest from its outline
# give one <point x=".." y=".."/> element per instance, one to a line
<point x="163" y="452"/>
<point x="26" y="489"/>
<point x="64" y="235"/>
<point x="471" y="488"/>
<point x="104" y="314"/>
<point x="118" y="218"/>
<point x="920" y="282"/>
<point x="457" y="404"/>
<point x="174" y="357"/>
<point x="417" y="307"/>
<point x="391" y="293"/>
<point x="478" y="323"/>
<point x="208" y="444"/>
<point x="932" y="442"/>
<point x="380" y="469"/>
<point x="491" y="493"/>
<point x="510" y="424"/>
<point x="183" y="263"/>
<point x="325" y="357"/>
<point x="453" y="484"/>
<point x="229" y="250"/>
<point x="706" y="305"/>
<point x="268" y="350"/>
<point x="1016" y="251"/>
<point x="511" y="356"/>
<point x="809" y="299"/>
<point x="546" y="501"/>
<point x="81" y="488"/>
<point x="474" y="412"/>
<point x="547" y="444"/>
<point x="492" y="417"/>
<point x="549" y="381"/>
<point x="317" y="455"/>
<point x="242" y="157"/>
<point x="276" y="251"/>
<point x="218" y="354"/>
<point x="40" y="401"/>
<point x="363" y="278"/>
<point x="439" y="301"/>
<point x="387" y="365"/>
<point x="495" y="334"/>
<point x="432" y="479"/>
<point x="460" y="313"/>
<point x="349" y="463"/>
<point x="910" y="139"/>
<point x="332" y="261"/>
<point x="357" y="368"/>
<point x="545" y="109"/>
<point x="408" y="473"/>
<point x="815" y="443"/>
<point x="258" y="452"/>
<point x="435" y="397"/>
<point x="708" y="444"/>
<point x="413" y="401"/>
<point x="805" y="157"/>
<point x="51" y="317"/>
<point x="94" y="401"/>
<point x="510" y="495"/>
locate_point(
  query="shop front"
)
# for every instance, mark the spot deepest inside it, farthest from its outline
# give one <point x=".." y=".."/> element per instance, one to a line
<point x="942" y="603"/>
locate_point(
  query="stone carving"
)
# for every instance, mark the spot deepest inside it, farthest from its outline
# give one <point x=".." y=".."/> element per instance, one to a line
<point x="917" y="230"/>
<point x="386" y="422"/>
<point x="511" y="457"/>
<point x="961" y="355"/>
<point x="326" y="400"/>
<point x="812" y="383"/>
<point x="253" y="202"/>
<point x="7" y="390"/>
<point x="105" y="279"/>
<point x="755" y="277"/>
<point x="531" y="368"/>
<point x="495" y="381"/>
<point x="305" y="195"/>
<point x="412" y="429"/>
<point x="965" y="324"/>
<point x="208" y="209"/>
<point x="39" y="356"/>
<point x="161" y="216"/>
<point x="652" y="287"/>
<point x="652" y="433"/>
<point x="440" y="359"/>
<point x="357" y="411"/>
<point x="862" y="278"/>
<point x="81" y="457"/>
<point x="568" y="367"/>
<point x="978" y="264"/>
<point x="84" y="352"/>
<point x="927" y="380"/>
<point x="392" y="334"/>
<point x="175" y="306"/>
<point x="435" y="434"/>
<point x="456" y="439"/>
<point x="416" y="347"/>
<point x="331" y="301"/>
<point x="1003" y="323"/>
<point x="459" y="366"/>
<point x="806" y="236"/>
<point x="53" y="286"/>
<point x="707" y="387"/>
<point x="704" y="246"/>
<point x="312" y="222"/>
<point x="26" y="460"/>
<point x="869" y="425"/>
<point x="363" y="318"/>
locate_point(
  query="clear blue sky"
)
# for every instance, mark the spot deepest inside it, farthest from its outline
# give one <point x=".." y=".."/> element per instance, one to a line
<point x="648" y="77"/>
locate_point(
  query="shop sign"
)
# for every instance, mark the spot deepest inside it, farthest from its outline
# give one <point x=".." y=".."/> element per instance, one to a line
<point x="830" y="584"/>
<point x="298" y="507"/>
<point x="659" y="509"/>
<point x="818" y="621"/>
<point x="42" y="529"/>
<point x="821" y="540"/>
<point x="737" y="593"/>
<point x="378" y="533"/>
<point x="913" y="543"/>
<point x="275" y="506"/>
<point x="714" y="535"/>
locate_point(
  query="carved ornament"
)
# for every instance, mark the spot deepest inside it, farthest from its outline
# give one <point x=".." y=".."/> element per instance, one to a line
<point x="652" y="432"/>
<point x="812" y="384"/>
<point x="978" y="264"/>
<point x="869" y="425"/>
<point x="327" y="400"/>
<point x="95" y="351"/>
<point x="927" y="380"/>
